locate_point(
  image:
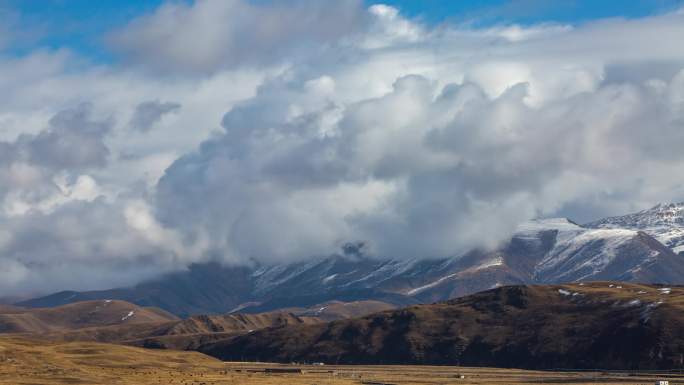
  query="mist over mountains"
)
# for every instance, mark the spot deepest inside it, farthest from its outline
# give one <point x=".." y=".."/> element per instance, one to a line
<point x="629" y="248"/>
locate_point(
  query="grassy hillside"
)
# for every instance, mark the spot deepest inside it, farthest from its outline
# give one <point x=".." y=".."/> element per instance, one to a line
<point x="78" y="315"/>
<point x="123" y="322"/>
<point x="31" y="362"/>
<point x="602" y="324"/>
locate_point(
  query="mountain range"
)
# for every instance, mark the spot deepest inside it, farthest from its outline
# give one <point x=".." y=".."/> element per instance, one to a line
<point x="642" y="247"/>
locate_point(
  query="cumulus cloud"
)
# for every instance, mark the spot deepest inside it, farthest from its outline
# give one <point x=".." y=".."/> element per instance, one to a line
<point x="473" y="132"/>
<point x="56" y="223"/>
<point x="421" y="171"/>
<point x="308" y="125"/>
<point x="33" y="165"/>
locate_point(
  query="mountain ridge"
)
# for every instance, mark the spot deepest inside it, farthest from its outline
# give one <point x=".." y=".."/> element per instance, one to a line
<point x="664" y="221"/>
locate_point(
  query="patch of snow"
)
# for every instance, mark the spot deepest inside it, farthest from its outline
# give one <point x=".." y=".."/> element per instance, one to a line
<point x="108" y="301"/>
<point x="564" y="292"/>
<point x="387" y="271"/>
<point x="270" y="277"/>
<point x="430" y="285"/>
<point x="611" y="285"/>
<point x="127" y="316"/>
<point x="665" y="290"/>
<point x="496" y="261"/>
<point x="648" y="310"/>
<point x="329" y="278"/>
<point x="242" y="306"/>
<point x="641" y="292"/>
<point x="634" y="302"/>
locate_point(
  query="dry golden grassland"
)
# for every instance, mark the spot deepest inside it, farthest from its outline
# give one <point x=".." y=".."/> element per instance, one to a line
<point x="29" y="361"/>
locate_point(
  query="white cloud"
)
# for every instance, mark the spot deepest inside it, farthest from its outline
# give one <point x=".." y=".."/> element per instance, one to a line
<point x="306" y="125"/>
<point x="209" y="35"/>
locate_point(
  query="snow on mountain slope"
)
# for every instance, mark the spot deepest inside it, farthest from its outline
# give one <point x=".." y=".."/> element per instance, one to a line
<point x="581" y="254"/>
<point x="612" y="252"/>
<point x="557" y="250"/>
<point x="665" y="222"/>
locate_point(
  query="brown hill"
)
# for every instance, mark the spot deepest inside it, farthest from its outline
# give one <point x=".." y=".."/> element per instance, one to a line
<point x="78" y="315"/>
<point x="123" y="322"/>
<point x="335" y="310"/>
<point x="29" y="361"/>
<point x="601" y="324"/>
<point x="197" y="330"/>
<point x="32" y="361"/>
<point x="9" y="309"/>
<point x="190" y="333"/>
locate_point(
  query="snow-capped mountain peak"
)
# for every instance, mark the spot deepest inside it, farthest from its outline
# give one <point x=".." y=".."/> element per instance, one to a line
<point x="665" y="222"/>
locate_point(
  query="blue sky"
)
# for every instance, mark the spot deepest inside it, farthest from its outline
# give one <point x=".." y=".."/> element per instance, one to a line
<point x="532" y="11"/>
<point x="80" y="24"/>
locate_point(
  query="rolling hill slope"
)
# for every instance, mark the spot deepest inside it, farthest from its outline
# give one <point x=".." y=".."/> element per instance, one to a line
<point x="123" y="322"/>
<point x="78" y="316"/>
<point x="592" y="325"/>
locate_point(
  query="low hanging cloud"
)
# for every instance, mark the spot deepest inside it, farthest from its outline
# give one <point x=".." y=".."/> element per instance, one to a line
<point x="322" y="123"/>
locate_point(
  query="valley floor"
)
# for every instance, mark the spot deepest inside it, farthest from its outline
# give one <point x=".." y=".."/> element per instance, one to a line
<point x="27" y="361"/>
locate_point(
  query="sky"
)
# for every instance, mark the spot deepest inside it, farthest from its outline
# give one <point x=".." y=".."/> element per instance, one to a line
<point x="138" y="137"/>
<point x="80" y="24"/>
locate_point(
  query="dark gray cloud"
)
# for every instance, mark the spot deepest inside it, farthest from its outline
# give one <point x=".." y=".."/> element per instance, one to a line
<point x="74" y="140"/>
<point x="148" y="113"/>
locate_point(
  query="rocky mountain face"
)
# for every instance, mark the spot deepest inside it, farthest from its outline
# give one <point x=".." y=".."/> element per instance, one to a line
<point x="593" y="325"/>
<point x="541" y="251"/>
